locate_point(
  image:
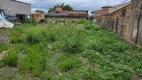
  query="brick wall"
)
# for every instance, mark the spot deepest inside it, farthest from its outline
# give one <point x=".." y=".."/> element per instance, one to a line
<point x="137" y="33"/>
<point x="129" y="27"/>
<point x="118" y="23"/>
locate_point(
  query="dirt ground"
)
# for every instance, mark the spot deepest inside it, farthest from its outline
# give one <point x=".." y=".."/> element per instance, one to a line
<point x="4" y="35"/>
<point x="6" y="73"/>
<point x="4" y="38"/>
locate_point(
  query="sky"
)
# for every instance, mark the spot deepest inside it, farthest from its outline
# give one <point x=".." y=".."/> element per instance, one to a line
<point x="89" y="5"/>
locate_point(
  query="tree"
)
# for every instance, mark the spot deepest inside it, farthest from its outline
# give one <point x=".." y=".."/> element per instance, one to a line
<point x="63" y="6"/>
<point x="39" y="11"/>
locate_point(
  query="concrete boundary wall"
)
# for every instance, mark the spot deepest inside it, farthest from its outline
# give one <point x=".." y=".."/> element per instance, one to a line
<point x="122" y="23"/>
<point x="126" y="22"/>
<point x="137" y="32"/>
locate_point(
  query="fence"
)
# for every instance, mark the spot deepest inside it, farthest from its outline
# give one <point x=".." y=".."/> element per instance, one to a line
<point x="122" y="23"/>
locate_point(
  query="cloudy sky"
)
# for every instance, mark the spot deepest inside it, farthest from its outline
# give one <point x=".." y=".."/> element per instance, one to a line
<point x="89" y="5"/>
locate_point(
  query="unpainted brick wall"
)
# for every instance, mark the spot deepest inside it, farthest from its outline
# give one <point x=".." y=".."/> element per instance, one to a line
<point x="137" y="32"/>
<point x="122" y="26"/>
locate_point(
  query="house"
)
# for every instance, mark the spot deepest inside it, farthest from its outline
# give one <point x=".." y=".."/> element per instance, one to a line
<point x="60" y="13"/>
<point x="103" y="11"/>
<point x="98" y="14"/>
<point x="78" y="14"/>
<point x="37" y="15"/>
<point x="56" y="14"/>
<point x="16" y="8"/>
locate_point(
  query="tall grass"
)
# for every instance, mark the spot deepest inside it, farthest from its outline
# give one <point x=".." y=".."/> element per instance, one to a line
<point x="74" y="50"/>
<point x="11" y="58"/>
<point x="72" y="41"/>
<point x="66" y="63"/>
<point x="32" y="35"/>
<point x="3" y="46"/>
<point x="36" y="60"/>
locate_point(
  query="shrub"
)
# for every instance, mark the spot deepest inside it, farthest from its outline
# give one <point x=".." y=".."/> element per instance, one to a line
<point x="36" y="60"/>
<point x="46" y="75"/>
<point x="18" y="29"/>
<point x="11" y="58"/>
<point x="3" y="46"/>
<point x="72" y="41"/>
<point x="17" y="35"/>
<point x="88" y="74"/>
<point x="32" y="38"/>
<point x="17" y="39"/>
<point x="97" y="28"/>
<point x="32" y="35"/>
<point x="88" y="27"/>
<point x="33" y="21"/>
<point x="49" y="34"/>
<point x="139" y="72"/>
<point x="72" y="46"/>
<point x="81" y="21"/>
<point x="62" y="77"/>
<point x="66" y="63"/>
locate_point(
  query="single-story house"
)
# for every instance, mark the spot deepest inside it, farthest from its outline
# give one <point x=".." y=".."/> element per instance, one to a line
<point x="37" y="15"/>
<point x="60" y="13"/>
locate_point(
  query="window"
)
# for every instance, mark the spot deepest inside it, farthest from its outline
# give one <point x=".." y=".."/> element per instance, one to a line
<point x="123" y="13"/>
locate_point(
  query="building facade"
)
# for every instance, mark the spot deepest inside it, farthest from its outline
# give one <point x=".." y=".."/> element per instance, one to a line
<point x="15" y="8"/>
<point x="37" y="15"/>
<point x="103" y="11"/>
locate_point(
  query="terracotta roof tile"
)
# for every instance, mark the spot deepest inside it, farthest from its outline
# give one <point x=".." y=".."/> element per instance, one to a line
<point x="101" y="11"/>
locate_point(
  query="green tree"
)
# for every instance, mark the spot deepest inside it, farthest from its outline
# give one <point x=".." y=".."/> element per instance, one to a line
<point x="64" y="6"/>
<point x="39" y="11"/>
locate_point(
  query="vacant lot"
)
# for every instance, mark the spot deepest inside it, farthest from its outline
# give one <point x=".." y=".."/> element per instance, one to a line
<point x="66" y="50"/>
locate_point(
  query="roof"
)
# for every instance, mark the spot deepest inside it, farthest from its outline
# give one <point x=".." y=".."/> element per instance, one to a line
<point x="80" y="10"/>
<point x="104" y="9"/>
<point x="107" y="7"/>
<point x="75" y="13"/>
<point x="37" y="13"/>
<point x="101" y="11"/>
<point x="110" y="10"/>
<point x="78" y="15"/>
<point x="62" y="13"/>
<point x="21" y="2"/>
<point x="115" y="8"/>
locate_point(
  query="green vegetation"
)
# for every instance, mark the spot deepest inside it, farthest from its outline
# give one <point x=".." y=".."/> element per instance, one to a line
<point x="3" y="46"/>
<point x="63" y="6"/>
<point x="69" y="50"/>
<point x="11" y="58"/>
<point x="66" y="63"/>
<point x="35" y="61"/>
<point x="39" y="11"/>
